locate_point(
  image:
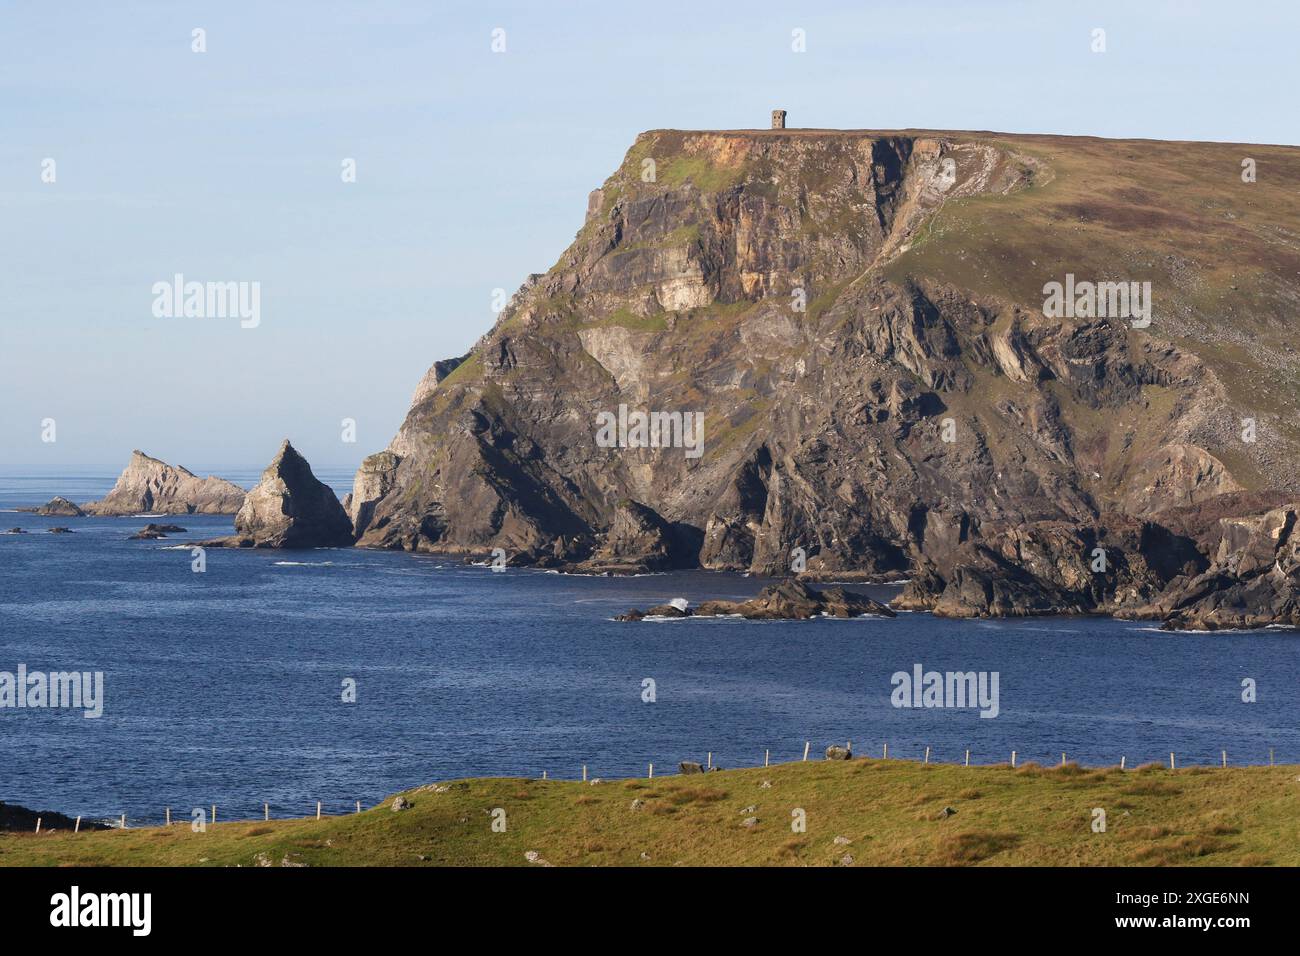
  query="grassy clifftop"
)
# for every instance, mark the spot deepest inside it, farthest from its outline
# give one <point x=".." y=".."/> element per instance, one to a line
<point x="889" y="812"/>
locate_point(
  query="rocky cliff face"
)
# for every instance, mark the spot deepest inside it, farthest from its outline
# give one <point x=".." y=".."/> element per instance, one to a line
<point x="859" y="320"/>
<point x="1254" y="580"/>
<point x="290" y="508"/>
<point x="150" y="486"/>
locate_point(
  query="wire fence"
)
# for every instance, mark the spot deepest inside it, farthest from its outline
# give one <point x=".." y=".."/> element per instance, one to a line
<point x="202" y="817"/>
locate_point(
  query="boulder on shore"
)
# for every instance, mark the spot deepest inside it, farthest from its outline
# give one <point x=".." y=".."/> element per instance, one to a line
<point x="289" y="508"/>
<point x="149" y="485"/>
<point x="788" y="601"/>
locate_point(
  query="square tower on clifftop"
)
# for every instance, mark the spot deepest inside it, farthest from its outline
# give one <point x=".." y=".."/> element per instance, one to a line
<point x="778" y="119"/>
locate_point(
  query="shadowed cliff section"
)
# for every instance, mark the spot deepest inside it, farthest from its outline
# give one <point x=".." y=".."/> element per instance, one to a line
<point x="859" y="318"/>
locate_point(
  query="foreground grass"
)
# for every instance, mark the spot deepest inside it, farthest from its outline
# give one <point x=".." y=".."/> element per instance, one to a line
<point x="891" y="812"/>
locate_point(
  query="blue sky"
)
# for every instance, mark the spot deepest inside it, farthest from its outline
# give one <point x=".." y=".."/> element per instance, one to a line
<point x="473" y="169"/>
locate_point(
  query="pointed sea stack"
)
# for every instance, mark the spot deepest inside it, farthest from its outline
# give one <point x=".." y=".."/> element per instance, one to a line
<point x="291" y="508"/>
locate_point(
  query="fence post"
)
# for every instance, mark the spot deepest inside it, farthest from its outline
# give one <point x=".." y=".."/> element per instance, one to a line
<point x="710" y="762"/>
<point x="1062" y="758"/>
<point x="38" y="824"/>
<point x="767" y="755"/>
<point x="169" y="816"/>
<point x="77" y="827"/>
<point x="1225" y="758"/>
<point x="266" y="811"/>
<point x="927" y="754"/>
<point x="214" y="813"/>
<point x="968" y="758"/>
<point x="124" y="821"/>
<point x="886" y="756"/>
<point x="1121" y="762"/>
<point x="543" y="774"/>
<point x="358" y="806"/>
<point x="1270" y="756"/>
<point x="1171" y="760"/>
<point x="317" y="809"/>
<point x="584" y="773"/>
<point x="806" y="745"/>
<point x="651" y="774"/>
<point x="1013" y="759"/>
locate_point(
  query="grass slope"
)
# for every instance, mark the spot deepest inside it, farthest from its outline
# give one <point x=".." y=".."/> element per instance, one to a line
<point x="890" y="811"/>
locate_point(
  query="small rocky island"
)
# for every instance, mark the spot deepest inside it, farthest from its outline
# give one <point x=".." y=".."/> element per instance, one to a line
<point x="152" y="532"/>
<point x="151" y="486"/>
<point x="289" y="508"/>
<point x="59" y="507"/>
<point x="790" y="600"/>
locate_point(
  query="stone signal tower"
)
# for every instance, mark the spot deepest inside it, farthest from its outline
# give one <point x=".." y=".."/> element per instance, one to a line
<point x="778" y="119"/>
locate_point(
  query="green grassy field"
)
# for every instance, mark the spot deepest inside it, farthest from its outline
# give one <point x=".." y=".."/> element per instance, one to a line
<point x="889" y="812"/>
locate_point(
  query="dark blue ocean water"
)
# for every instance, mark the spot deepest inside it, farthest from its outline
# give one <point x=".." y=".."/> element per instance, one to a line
<point x="225" y="687"/>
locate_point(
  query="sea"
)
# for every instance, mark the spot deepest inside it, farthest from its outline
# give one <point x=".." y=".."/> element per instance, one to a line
<point x="341" y="675"/>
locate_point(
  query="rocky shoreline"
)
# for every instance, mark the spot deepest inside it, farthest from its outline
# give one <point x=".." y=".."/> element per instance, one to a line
<point x="1215" y="566"/>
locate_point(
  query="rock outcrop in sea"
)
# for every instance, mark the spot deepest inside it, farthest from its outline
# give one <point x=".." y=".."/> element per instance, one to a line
<point x="861" y="321"/>
<point x="788" y="600"/>
<point x="58" y="506"/>
<point x="289" y="508"/>
<point x="151" y="486"/>
<point x="153" y="531"/>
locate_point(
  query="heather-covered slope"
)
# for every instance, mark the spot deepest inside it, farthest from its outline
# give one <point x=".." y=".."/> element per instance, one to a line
<point x="859" y="318"/>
